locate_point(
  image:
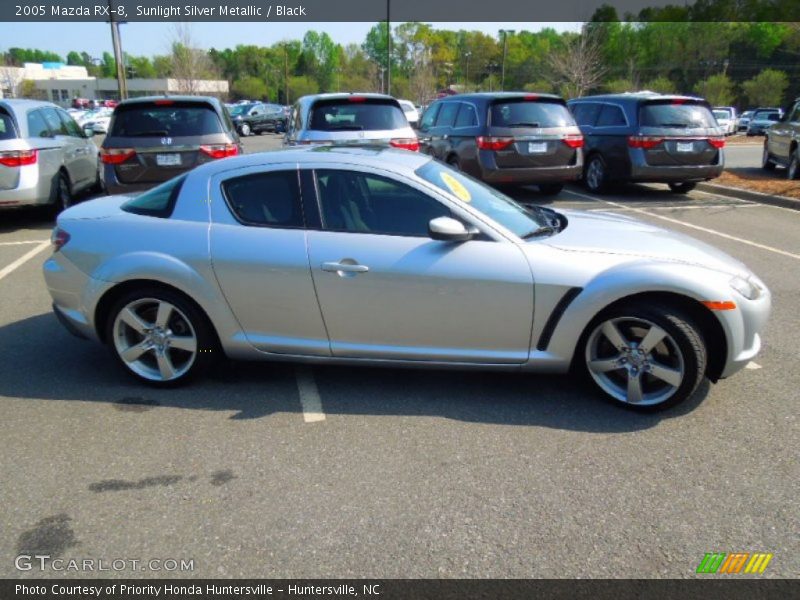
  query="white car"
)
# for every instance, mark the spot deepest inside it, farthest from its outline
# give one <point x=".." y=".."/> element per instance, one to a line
<point x="410" y="111"/>
<point x="100" y="124"/>
<point x="726" y="118"/>
<point x="93" y="115"/>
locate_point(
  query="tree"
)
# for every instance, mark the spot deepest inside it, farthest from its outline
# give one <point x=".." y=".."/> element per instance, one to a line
<point x="190" y="64"/>
<point x="28" y="89"/>
<point x="578" y="67"/>
<point x="766" y="88"/>
<point x="251" y="88"/>
<point x="619" y="86"/>
<point x="302" y="85"/>
<point x="662" y="85"/>
<point x="75" y="59"/>
<point x="542" y="86"/>
<point x="717" y="89"/>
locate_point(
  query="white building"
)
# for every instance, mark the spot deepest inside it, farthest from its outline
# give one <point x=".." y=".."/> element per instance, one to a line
<point x="62" y="83"/>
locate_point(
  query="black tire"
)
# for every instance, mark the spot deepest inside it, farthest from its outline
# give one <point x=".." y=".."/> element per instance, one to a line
<point x="685" y="338"/>
<point x="550" y="189"/>
<point x="207" y="346"/>
<point x="62" y="194"/>
<point x="98" y="187"/>
<point x="453" y="162"/>
<point x="766" y="159"/>
<point x="682" y="188"/>
<point x="595" y="174"/>
<point x="793" y="170"/>
<point x="245" y="130"/>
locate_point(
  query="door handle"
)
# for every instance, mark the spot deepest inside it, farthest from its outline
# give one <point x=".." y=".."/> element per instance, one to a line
<point x="338" y="267"/>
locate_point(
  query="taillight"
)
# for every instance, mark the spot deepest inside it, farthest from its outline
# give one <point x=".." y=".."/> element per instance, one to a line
<point x="18" y="158"/>
<point x="356" y="99"/>
<point x="644" y="141"/>
<point x="490" y="142"/>
<point x="405" y="143"/>
<point x="573" y="141"/>
<point x="220" y="150"/>
<point x="59" y="239"/>
<point x="717" y="142"/>
<point x="116" y="156"/>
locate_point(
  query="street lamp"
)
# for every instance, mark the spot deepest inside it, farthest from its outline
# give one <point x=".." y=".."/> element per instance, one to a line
<point x="505" y="33"/>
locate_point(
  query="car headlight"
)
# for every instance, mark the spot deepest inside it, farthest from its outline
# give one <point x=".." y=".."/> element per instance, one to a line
<point x="746" y="287"/>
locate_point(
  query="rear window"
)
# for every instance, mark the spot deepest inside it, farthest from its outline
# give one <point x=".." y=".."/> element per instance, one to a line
<point x="158" y="202"/>
<point x="7" y="129"/>
<point x="356" y="115"/>
<point x="678" y="114"/>
<point x="722" y="114"/>
<point x="768" y="116"/>
<point x="527" y="113"/>
<point x="175" y="120"/>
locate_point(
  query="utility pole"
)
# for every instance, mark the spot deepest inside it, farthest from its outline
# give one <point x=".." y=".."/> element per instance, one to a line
<point x="505" y="33"/>
<point x="286" y="76"/>
<point x="466" y="76"/>
<point x="122" y="84"/>
<point x="389" y="47"/>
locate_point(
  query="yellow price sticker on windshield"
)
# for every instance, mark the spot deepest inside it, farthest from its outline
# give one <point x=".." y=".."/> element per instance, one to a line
<point x="456" y="187"/>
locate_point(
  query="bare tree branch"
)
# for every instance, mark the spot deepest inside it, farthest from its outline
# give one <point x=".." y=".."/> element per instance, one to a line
<point x="579" y="67"/>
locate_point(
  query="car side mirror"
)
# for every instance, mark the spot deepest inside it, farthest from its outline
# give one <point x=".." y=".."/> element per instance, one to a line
<point x="446" y="229"/>
<point x="88" y="132"/>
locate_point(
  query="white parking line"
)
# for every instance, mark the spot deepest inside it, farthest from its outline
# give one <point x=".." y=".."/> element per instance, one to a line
<point x="23" y="259"/>
<point x="630" y="209"/>
<point x="22" y="242"/>
<point x="690" y="225"/>
<point x="309" y="395"/>
<point x="752" y="365"/>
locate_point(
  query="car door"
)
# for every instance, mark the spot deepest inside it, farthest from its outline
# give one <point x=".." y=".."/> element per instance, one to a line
<point x="258" y="252"/>
<point x="72" y="150"/>
<point x="440" y="133"/>
<point x="781" y="135"/>
<point x="389" y="291"/>
<point x="86" y="161"/>
<point x="257" y="116"/>
<point x="425" y="126"/>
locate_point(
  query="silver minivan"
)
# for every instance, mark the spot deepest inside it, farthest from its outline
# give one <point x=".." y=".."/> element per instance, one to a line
<point x="45" y="157"/>
<point x="349" y="118"/>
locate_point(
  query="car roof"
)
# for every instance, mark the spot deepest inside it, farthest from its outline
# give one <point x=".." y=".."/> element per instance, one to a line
<point x="364" y="155"/>
<point x="634" y="97"/>
<point x="485" y="96"/>
<point x="19" y="104"/>
<point x="146" y="99"/>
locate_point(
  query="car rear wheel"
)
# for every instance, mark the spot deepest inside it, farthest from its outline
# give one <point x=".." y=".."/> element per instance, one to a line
<point x="645" y="357"/>
<point x="453" y="162"/>
<point x="595" y="177"/>
<point x="62" y="194"/>
<point x="766" y="160"/>
<point x="550" y="189"/>
<point x="793" y="171"/>
<point x="245" y="129"/>
<point x="682" y="188"/>
<point x="160" y="337"/>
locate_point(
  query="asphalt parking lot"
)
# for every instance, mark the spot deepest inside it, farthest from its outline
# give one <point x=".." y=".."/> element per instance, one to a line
<point x="269" y="470"/>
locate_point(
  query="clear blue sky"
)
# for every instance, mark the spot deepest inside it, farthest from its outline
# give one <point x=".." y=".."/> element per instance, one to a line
<point x="154" y="38"/>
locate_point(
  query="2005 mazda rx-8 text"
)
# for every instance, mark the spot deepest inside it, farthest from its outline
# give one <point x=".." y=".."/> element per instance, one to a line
<point x="382" y="256"/>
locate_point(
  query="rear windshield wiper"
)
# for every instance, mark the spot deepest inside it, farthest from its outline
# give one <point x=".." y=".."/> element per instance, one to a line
<point x="345" y="128"/>
<point x="681" y="125"/>
<point x="146" y="133"/>
<point x="524" y="124"/>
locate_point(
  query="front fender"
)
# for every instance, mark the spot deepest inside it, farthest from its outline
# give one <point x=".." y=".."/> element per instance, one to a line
<point x="610" y="286"/>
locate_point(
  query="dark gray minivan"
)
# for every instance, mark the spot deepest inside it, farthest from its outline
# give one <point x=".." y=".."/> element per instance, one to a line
<point x="649" y="137"/>
<point x="153" y="139"/>
<point x="505" y="138"/>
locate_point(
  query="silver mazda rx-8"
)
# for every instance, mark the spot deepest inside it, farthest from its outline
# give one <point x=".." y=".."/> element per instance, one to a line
<point x="377" y="256"/>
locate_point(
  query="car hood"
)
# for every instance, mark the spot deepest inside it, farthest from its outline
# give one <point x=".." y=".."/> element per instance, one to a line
<point x="607" y="233"/>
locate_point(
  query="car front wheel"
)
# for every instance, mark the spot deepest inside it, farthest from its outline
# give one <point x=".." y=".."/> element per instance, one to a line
<point x="646" y="358"/>
<point x="766" y="160"/>
<point x="160" y="337"/>
<point x="793" y="171"/>
<point x="682" y="188"/>
<point x="244" y="129"/>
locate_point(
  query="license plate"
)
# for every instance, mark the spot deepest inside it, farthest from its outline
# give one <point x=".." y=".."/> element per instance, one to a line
<point x="168" y="160"/>
<point x="537" y="147"/>
<point x="685" y="147"/>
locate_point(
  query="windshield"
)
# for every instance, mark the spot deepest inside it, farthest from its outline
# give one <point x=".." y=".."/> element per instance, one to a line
<point x="240" y="109"/>
<point x="721" y="114"/>
<point x="356" y="114"/>
<point x="526" y="113"/>
<point x="500" y="208"/>
<point x="767" y="116"/>
<point x="681" y="114"/>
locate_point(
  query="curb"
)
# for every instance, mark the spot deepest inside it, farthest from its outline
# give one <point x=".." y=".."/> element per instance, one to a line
<point x="731" y="192"/>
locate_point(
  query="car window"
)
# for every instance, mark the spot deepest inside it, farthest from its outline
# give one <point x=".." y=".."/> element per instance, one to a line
<point x="73" y="129"/>
<point x="586" y="113"/>
<point x="157" y="202"/>
<point x="356" y="113"/>
<point x="611" y="116"/>
<point x="53" y="122"/>
<point x="37" y="127"/>
<point x="679" y="114"/>
<point x="366" y="203"/>
<point x="429" y="117"/>
<point x="447" y="114"/>
<point x="7" y="130"/>
<point x="268" y="199"/>
<point x="165" y="118"/>
<point x="467" y="116"/>
<point x="529" y="113"/>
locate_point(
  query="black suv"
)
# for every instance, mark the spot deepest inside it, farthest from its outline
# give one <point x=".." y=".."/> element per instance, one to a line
<point x="153" y="139"/>
<point x="505" y="138"/>
<point x="648" y="137"/>
<point x="258" y="118"/>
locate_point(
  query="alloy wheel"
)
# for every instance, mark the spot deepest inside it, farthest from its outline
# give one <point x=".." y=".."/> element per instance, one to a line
<point x="635" y="361"/>
<point x="155" y="339"/>
<point x="595" y="174"/>
<point x="245" y="129"/>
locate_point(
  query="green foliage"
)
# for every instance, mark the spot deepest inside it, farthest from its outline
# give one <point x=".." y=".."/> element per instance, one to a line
<point x="618" y="86"/>
<point x="250" y="88"/>
<point x="662" y="85"/>
<point x="717" y="89"/>
<point x="543" y="86"/>
<point x="767" y="88"/>
<point x="302" y="85"/>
